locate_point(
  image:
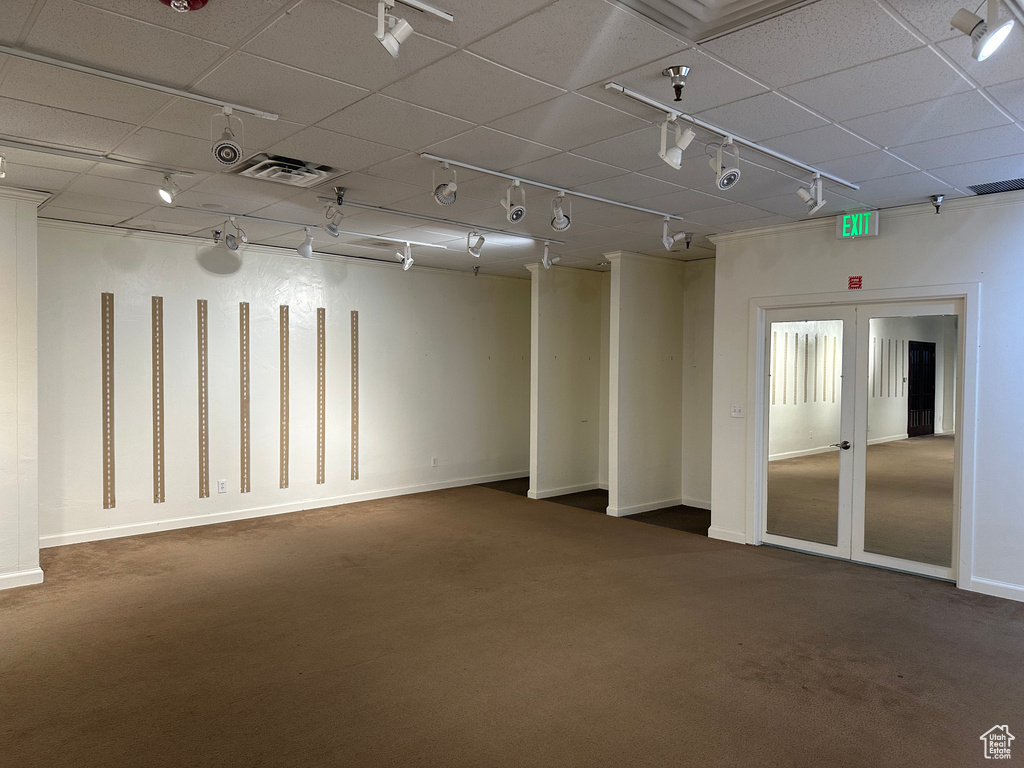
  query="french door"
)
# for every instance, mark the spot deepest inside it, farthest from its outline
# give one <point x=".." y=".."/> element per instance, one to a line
<point x="842" y="475"/>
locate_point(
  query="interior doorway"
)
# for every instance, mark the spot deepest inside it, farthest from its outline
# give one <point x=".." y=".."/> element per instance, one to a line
<point x="860" y="454"/>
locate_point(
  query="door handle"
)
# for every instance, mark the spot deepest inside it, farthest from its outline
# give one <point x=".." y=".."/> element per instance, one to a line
<point x="845" y="445"/>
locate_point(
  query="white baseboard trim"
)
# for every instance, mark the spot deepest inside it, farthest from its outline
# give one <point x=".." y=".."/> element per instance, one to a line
<point x="736" y="537"/>
<point x="21" y="578"/>
<point x="798" y="454"/>
<point x="698" y="503"/>
<point x="154" y="526"/>
<point x="997" y="588"/>
<point x="561" y="491"/>
<point x="636" y="509"/>
<point x="890" y="439"/>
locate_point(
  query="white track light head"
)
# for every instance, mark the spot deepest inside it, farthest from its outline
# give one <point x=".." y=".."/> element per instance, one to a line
<point x="986" y="34"/>
<point x="3" y="167"/>
<point x="560" y="221"/>
<point x="168" y="190"/>
<point x="445" y="192"/>
<point x="673" y="155"/>
<point x="406" y="258"/>
<point x="547" y="259"/>
<point x="474" y="242"/>
<point x="668" y="239"/>
<point x="330" y="226"/>
<point x="812" y="195"/>
<point x="727" y="172"/>
<point x="226" y="150"/>
<point x="306" y="249"/>
<point x="391" y="30"/>
<point x="514" y="212"/>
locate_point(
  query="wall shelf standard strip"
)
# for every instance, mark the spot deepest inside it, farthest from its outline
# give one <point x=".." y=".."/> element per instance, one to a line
<point x="107" y="367"/>
<point x="158" y="399"/>
<point x="355" y="395"/>
<point x="204" y="400"/>
<point x="321" y="394"/>
<point x="284" y="395"/>
<point x="243" y="396"/>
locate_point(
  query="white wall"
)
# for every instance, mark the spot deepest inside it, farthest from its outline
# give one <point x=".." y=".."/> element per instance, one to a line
<point x="19" y="539"/>
<point x="565" y="380"/>
<point x="606" y="312"/>
<point x="977" y="241"/>
<point x="645" y="384"/>
<point x="444" y="372"/>
<point x="698" y="356"/>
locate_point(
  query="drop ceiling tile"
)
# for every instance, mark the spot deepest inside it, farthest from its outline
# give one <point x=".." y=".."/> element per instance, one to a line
<point x="822" y="37"/>
<point x="755" y="182"/>
<point x="415" y="170"/>
<point x="423" y="236"/>
<point x="87" y="35"/>
<point x="37" y="123"/>
<point x="909" y="184"/>
<point x="395" y="123"/>
<point x="183" y="220"/>
<point x="573" y="43"/>
<point x="792" y="206"/>
<point x="170" y="149"/>
<point x="15" y="14"/>
<point x="295" y="95"/>
<point x="873" y="165"/>
<point x="243" y="188"/>
<point x="337" y="41"/>
<point x="376" y="190"/>
<point x="566" y="171"/>
<point x="1001" y="67"/>
<point x="762" y="117"/>
<point x="766" y="221"/>
<point x="710" y="84"/>
<point x="725" y="215"/>
<point x="93" y="204"/>
<point x="217" y="204"/>
<point x="1010" y="96"/>
<point x="31" y="177"/>
<point x="930" y="18"/>
<point x="901" y="80"/>
<point x="695" y="171"/>
<point x="328" y="148"/>
<point x="86" y="217"/>
<point x="830" y="142"/>
<point x="222" y="22"/>
<point x="300" y="209"/>
<point x="488" y="189"/>
<point x="635" y="151"/>
<point x="423" y="203"/>
<point x="983" y="172"/>
<point x="682" y="202"/>
<point x="487" y="148"/>
<point x="592" y="214"/>
<point x="628" y="188"/>
<point x="118" y="189"/>
<point x="484" y="91"/>
<point x="201" y="121"/>
<point x="61" y="88"/>
<point x="948" y="116"/>
<point x="568" y="122"/>
<point x="143" y="176"/>
<point x="964" y="148"/>
<point x="147" y="224"/>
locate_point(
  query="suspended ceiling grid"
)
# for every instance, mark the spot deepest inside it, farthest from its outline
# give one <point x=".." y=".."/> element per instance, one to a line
<point x="879" y="92"/>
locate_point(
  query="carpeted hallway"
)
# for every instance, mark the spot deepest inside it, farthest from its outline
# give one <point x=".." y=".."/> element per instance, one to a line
<point x="472" y="627"/>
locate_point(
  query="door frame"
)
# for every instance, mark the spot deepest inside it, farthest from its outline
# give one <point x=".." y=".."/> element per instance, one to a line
<point x="964" y="416"/>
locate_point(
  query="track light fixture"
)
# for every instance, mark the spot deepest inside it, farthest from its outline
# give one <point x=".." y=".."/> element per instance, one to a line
<point x="391" y="30"/>
<point x="169" y="190"/>
<point x="226" y="150"/>
<point x="986" y="34"/>
<point x="812" y="195"/>
<point x="560" y="221"/>
<point x="547" y="260"/>
<point x="306" y="249"/>
<point x="406" y="258"/>
<point x="333" y="216"/>
<point x="726" y="176"/>
<point x="514" y="212"/>
<point x="3" y="167"/>
<point x="937" y="201"/>
<point x="444" y="193"/>
<point x="473" y="248"/>
<point x="233" y="239"/>
<point x="217" y="236"/>
<point x="669" y="239"/>
<point x="184" y="6"/>
<point x="673" y="155"/>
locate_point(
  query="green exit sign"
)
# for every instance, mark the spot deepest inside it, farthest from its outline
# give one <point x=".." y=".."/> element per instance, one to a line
<point x="862" y="224"/>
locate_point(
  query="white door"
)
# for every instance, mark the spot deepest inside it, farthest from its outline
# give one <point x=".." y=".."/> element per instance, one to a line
<point x="840" y="475"/>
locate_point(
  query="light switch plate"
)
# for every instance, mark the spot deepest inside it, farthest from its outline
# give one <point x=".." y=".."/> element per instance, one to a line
<point x="737" y="411"/>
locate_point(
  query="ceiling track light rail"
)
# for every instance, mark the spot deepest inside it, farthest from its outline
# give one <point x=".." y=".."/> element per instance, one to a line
<point x="308" y="227"/>
<point x="23" y="54"/>
<point x="731" y="137"/>
<point x="440" y="220"/>
<point x="29" y="146"/>
<point x="542" y="185"/>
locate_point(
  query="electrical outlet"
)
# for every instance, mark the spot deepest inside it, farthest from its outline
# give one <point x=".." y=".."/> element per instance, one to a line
<point x="433" y="461"/>
<point x="222" y="486"/>
<point x="736" y="411"/>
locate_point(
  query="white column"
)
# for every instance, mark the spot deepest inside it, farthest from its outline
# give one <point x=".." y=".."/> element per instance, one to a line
<point x="645" y="384"/>
<point x="19" y="454"/>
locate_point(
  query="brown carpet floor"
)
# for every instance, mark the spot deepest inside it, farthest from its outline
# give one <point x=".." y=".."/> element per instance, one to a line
<point x="908" y="504"/>
<point x="470" y="627"/>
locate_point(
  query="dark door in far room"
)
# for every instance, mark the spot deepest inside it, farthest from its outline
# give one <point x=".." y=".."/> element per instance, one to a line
<point x="921" y="386"/>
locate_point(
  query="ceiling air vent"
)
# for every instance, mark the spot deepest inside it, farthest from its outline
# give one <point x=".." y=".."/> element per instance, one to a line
<point x="997" y="186"/>
<point x="285" y="170"/>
